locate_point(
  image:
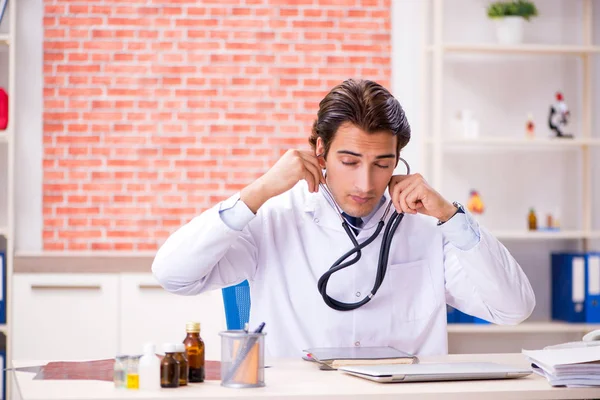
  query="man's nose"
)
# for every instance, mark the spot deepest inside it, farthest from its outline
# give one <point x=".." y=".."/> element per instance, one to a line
<point x="364" y="180"/>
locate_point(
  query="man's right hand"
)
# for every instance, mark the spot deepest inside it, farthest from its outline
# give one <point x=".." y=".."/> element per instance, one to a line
<point x="292" y="167"/>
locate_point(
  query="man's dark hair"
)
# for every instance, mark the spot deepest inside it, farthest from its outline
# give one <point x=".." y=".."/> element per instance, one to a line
<point x="365" y="104"/>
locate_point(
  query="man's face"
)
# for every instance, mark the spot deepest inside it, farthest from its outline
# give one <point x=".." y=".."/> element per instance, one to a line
<point x="359" y="167"/>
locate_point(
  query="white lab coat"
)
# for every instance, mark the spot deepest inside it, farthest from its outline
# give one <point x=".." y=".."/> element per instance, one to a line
<point x="294" y="239"/>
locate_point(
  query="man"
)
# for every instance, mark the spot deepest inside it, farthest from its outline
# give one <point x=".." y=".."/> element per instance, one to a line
<point x="281" y="234"/>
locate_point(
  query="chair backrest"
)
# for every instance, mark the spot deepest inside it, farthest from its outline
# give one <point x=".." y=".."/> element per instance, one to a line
<point x="236" y="300"/>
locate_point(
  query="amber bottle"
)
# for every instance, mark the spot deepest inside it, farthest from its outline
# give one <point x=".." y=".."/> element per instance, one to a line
<point x="532" y="220"/>
<point x="169" y="368"/>
<point x="194" y="351"/>
<point x="183" y="364"/>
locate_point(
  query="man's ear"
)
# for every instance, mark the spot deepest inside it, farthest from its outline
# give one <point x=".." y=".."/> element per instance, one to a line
<point x="320" y="150"/>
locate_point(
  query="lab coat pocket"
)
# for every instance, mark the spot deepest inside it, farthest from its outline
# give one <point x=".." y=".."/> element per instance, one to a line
<point x="412" y="290"/>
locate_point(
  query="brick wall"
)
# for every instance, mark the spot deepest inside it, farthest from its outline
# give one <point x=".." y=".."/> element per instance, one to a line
<point x="155" y="110"/>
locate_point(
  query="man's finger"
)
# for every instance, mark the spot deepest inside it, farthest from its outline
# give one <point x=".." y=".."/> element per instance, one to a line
<point x="406" y="193"/>
<point x="309" y="177"/>
<point x="315" y="172"/>
<point x="414" y="197"/>
<point x="402" y="182"/>
<point x="313" y="160"/>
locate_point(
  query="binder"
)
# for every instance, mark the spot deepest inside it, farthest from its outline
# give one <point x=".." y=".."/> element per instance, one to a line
<point x="455" y="316"/>
<point x="569" y="286"/>
<point x="592" y="295"/>
<point x="2" y="288"/>
<point x="3" y="365"/>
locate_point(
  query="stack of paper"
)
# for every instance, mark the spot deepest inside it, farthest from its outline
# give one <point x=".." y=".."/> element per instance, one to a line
<point x="572" y="367"/>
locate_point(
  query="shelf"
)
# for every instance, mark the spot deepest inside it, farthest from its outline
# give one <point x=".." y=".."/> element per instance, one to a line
<point x="538" y="235"/>
<point x="526" y="327"/>
<point x="525" y="143"/>
<point x="517" y="49"/>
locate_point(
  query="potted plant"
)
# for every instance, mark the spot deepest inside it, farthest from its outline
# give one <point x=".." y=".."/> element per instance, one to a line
<point x="509" y="17"/>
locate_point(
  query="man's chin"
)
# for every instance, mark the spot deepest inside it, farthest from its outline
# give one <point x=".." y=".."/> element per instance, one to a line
<point x="359" y="210"/>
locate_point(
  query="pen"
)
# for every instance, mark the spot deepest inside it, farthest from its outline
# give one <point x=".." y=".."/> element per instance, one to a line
<point x="244" y="353"/>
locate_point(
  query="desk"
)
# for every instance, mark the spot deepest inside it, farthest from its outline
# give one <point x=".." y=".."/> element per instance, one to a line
<point x="300" y="379"/>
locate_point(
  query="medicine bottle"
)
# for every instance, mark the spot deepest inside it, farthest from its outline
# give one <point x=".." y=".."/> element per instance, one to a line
<point x="120" y="371"/>
<point x="169" y="368"/>
<point x="194" y="349"/>
<point x="532" y="220"/>
<point x="183" y="363"/>
<point x="133" y="377"/>
<point x="149" y="369"/>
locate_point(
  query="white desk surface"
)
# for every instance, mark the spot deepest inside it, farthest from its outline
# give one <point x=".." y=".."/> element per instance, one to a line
<point x="300" y="379"/>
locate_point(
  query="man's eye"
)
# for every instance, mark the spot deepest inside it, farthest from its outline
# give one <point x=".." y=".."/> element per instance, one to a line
<point x="349" y="163"/>
<point x="382" y="166"/>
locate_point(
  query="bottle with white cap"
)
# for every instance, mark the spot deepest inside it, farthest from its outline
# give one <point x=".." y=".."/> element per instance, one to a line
<point x="183" y="363"/>
<point x="149" y="369"/>
<point x="169" y="368"/>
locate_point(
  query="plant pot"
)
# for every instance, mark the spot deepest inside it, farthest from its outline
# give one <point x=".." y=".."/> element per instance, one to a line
<point x="509" y="30"/>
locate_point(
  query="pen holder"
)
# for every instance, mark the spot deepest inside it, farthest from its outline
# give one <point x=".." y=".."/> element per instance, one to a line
<point x="242" y="359"/>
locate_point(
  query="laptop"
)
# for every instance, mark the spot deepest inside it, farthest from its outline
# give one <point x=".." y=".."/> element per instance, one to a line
<point x="429" y="372"/>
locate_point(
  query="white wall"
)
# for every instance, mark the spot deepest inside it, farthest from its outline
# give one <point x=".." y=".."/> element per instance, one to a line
<point x="29" y="102"/>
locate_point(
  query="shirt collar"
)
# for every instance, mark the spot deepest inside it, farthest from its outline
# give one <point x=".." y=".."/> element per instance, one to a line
<point x="324" y="214"/>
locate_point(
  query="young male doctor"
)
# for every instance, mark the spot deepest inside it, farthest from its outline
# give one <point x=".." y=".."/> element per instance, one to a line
<point x="282" y="233"/>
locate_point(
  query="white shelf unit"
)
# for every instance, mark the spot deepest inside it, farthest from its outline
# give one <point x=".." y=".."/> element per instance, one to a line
<point x="7" y="140"/>
<point x="439" y="143"/>
<point x="526" y="327"/>
<point x="516" y="49"/>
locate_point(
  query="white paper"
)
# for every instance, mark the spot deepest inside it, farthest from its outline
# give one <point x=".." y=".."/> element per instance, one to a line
<point x="557" y="357"/>
<point x="578" y="283"/>
<point x="594" y="275"/>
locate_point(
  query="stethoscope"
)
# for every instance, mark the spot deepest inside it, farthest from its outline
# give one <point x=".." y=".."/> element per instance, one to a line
<point x="384" y="252"/>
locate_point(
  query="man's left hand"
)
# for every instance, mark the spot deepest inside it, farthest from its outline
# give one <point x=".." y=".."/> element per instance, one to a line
<point x="411" y="194"/>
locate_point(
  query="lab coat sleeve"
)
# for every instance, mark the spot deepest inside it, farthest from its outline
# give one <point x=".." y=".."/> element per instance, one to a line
<point x="485" y="280"/>
<point x="206" y="253"/>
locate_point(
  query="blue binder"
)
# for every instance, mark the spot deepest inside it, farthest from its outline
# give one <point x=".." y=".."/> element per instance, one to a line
<point x="592" y="294"/>
<point x="568" y="286"/>
<point x="2" y="288"/>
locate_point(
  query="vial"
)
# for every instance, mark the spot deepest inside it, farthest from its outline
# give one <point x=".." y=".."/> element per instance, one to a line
<point x="169" y="368"/>
<point x="133" y="377"/>
<point x="194" y="350"/>
<point x="183" y="363"/>
<point x="120" y="371"/>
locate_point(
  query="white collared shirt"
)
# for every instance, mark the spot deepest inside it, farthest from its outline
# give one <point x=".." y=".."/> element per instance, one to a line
<point x="294" y="238"/>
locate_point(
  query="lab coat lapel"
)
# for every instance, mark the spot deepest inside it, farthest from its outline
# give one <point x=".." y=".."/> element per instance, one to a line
<point x="325" y="216"/>
<point x="322" y="212"/>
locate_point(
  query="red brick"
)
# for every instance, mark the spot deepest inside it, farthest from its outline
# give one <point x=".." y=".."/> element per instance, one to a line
<point x="164" y="109"/>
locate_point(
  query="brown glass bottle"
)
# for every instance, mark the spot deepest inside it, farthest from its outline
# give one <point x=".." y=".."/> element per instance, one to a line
<point x="169" y="368"/>
<point x="532" y="220"/>
<point x="194" y="350"/>
<point x="183" y="364"/>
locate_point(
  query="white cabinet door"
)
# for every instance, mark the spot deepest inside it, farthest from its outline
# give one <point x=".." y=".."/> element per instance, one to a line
<point x="151" y="314"/>
<point x="65" y="316"/>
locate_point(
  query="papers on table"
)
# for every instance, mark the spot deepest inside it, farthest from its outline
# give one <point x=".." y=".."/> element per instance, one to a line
<point x="572" y="367"/>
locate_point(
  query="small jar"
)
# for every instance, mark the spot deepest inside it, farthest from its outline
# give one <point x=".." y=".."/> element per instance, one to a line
<point x="169" y="368"/>
<point x="133" y="375"/>
<point x="120" y="371"/>
<point x="183" y="363"/>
